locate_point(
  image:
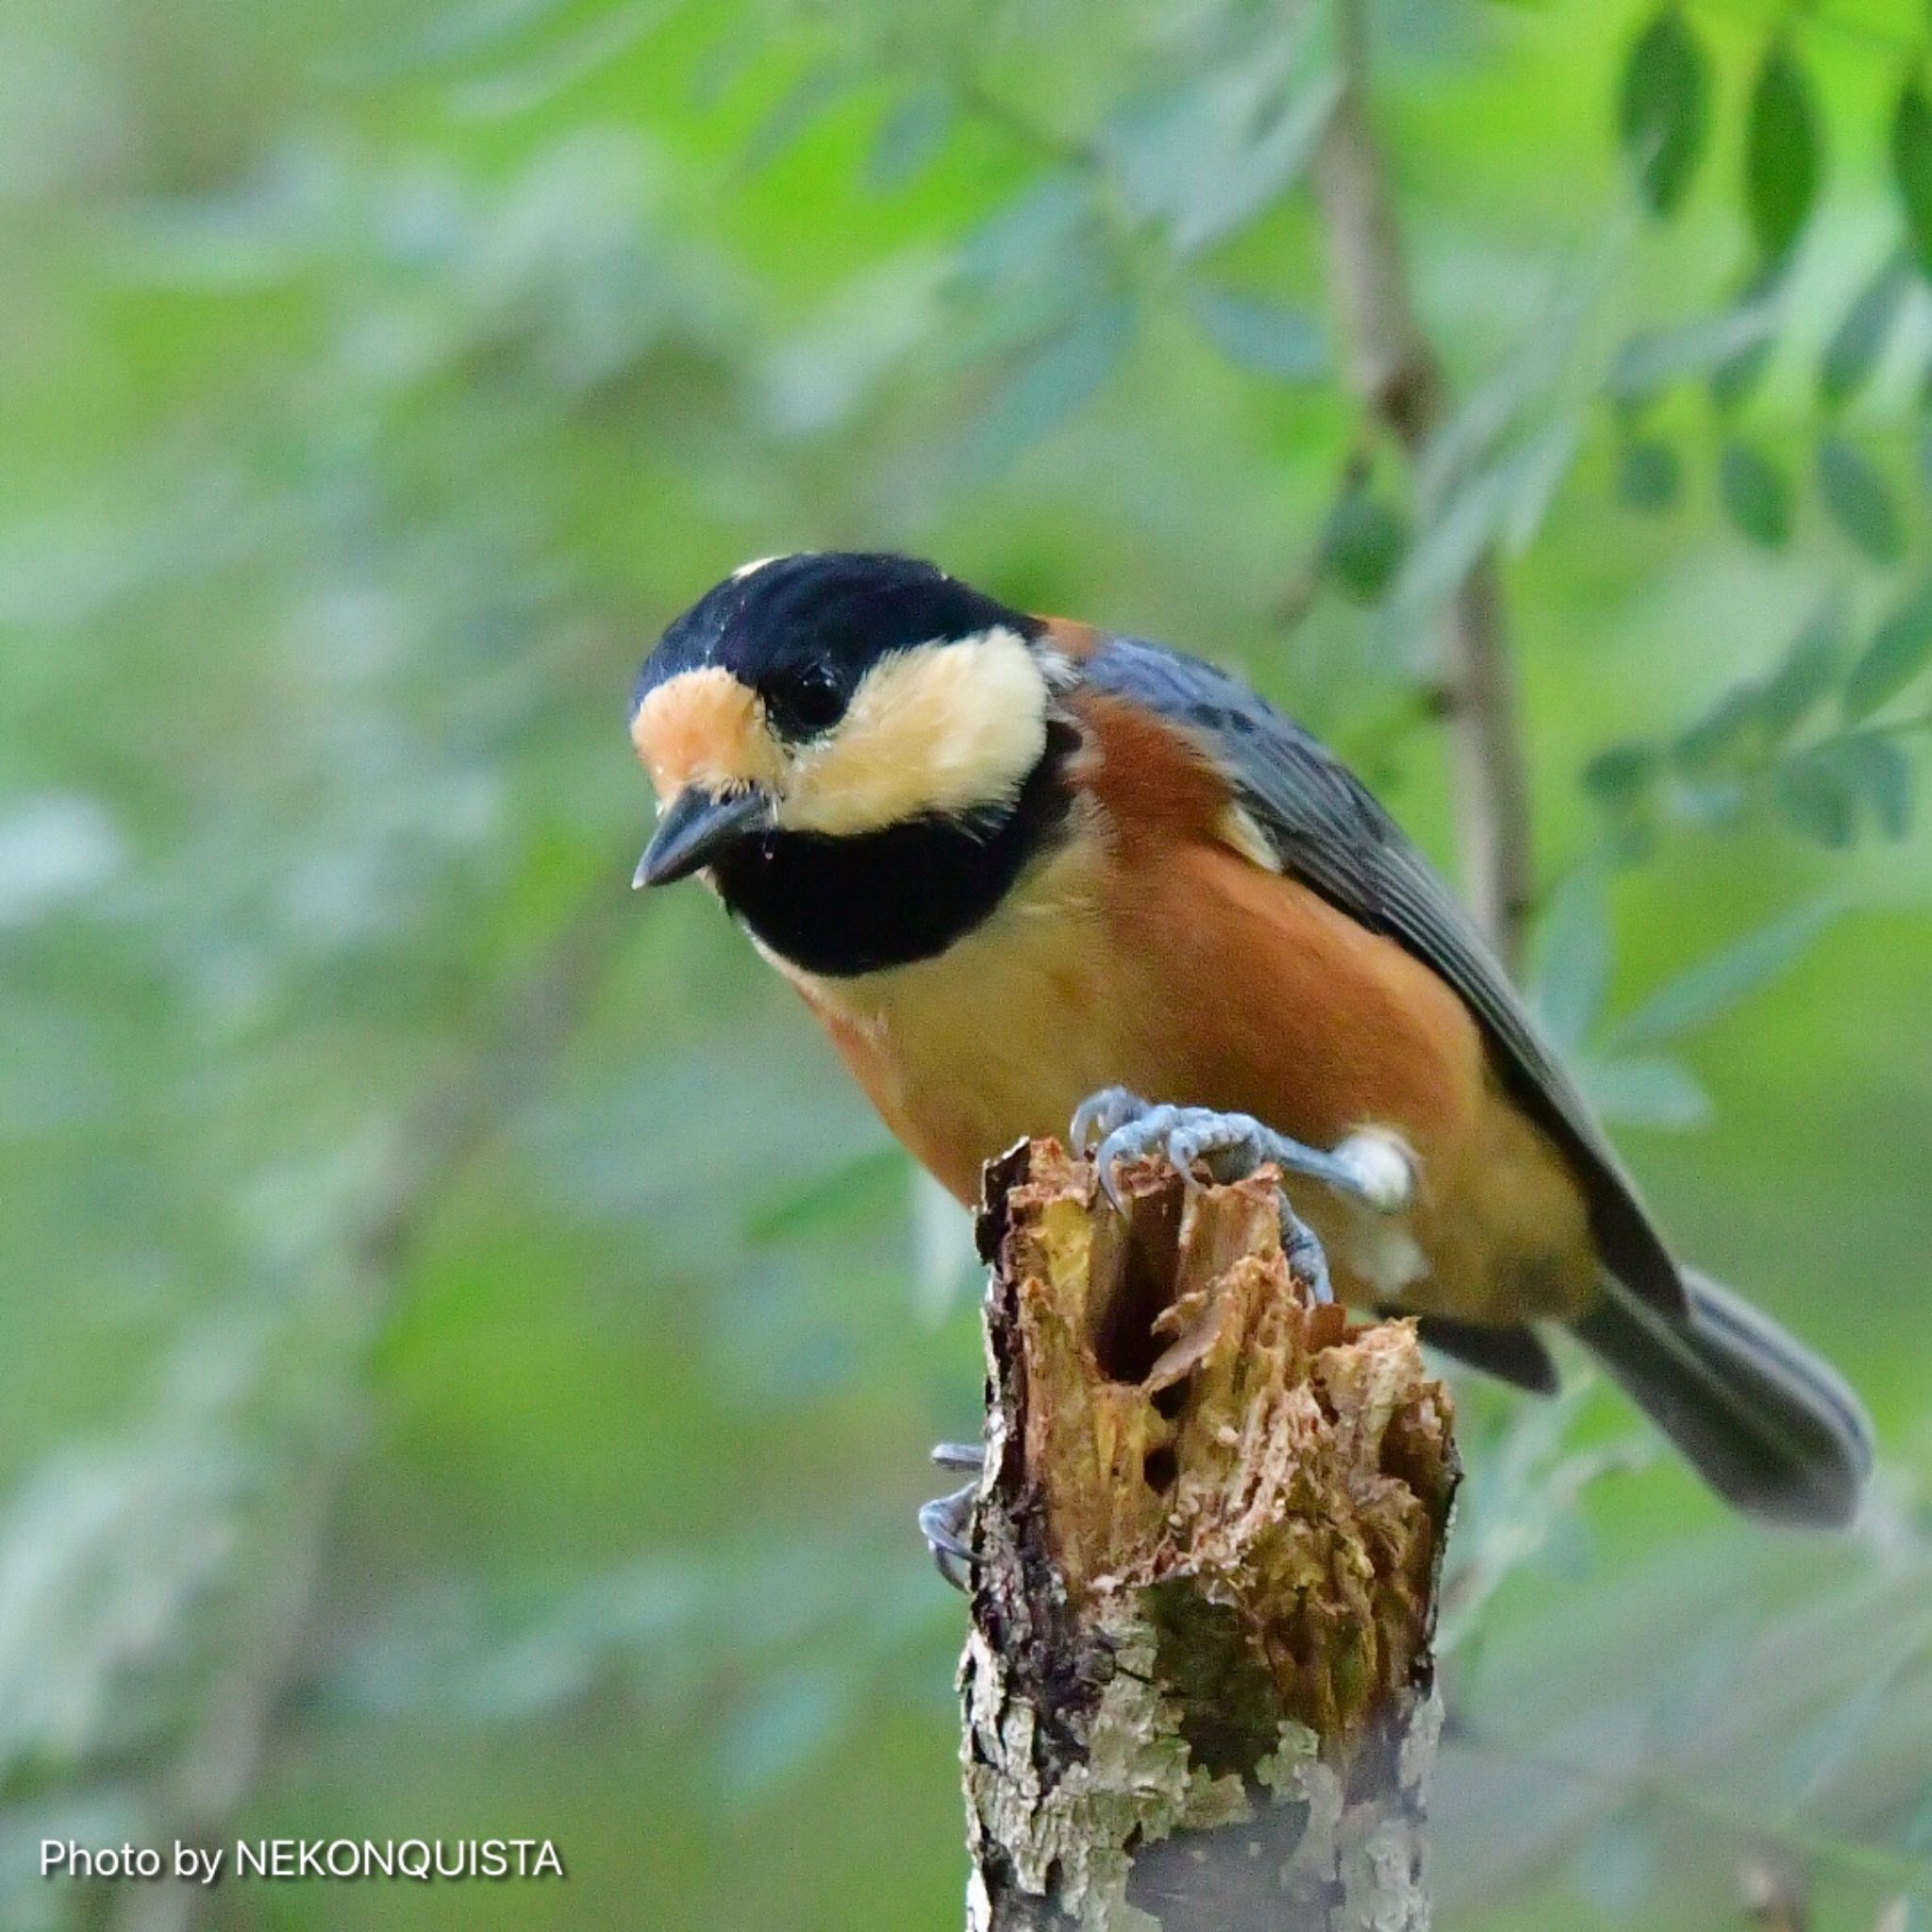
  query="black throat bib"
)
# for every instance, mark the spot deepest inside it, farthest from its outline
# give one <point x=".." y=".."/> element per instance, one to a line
<point x="845" y="906"/>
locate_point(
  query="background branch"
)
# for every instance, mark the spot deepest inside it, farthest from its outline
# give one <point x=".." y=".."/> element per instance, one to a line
<point x="1394" y="369"/>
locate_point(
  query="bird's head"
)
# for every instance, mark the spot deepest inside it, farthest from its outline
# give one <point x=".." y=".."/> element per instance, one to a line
<point x="837" y="694"/>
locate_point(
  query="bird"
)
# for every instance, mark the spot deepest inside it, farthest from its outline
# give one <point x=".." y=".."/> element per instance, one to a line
<point x="1023" y="870"/>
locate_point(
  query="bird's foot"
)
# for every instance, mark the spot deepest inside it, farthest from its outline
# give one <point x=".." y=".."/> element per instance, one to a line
<point x="1371" y="1168"/>
<point x="946" y="1520"/>
<point x="1306" y="1258"/>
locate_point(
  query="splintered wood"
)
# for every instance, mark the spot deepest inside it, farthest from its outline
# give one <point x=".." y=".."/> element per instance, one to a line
<point x="1198" y="1688"/>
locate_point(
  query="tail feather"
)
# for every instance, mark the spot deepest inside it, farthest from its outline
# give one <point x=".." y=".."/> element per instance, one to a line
<point x="1771" y="1427"/>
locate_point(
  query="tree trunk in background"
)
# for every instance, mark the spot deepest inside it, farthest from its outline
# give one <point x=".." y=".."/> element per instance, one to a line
<point x="1198" y="1689"/>
<point x="1392" y="366"/>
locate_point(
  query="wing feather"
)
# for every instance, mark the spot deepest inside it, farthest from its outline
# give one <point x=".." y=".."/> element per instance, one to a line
<point x="1332" y="833"/>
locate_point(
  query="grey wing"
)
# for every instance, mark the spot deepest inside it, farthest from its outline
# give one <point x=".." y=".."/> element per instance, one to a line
<point x="1332" y="833"/>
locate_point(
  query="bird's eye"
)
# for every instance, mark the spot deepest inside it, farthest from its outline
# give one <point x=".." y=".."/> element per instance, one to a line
<point x="808" y="700"/>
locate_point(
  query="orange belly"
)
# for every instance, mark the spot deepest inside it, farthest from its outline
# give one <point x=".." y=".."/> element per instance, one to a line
<point x="1206" y="980"/>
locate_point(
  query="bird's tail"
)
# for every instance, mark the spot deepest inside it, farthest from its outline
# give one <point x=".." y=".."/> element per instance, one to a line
<point x="1771" y="1427"/>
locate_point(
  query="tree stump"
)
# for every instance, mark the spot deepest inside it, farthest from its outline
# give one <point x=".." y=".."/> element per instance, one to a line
<point x="1199" y="1689"/>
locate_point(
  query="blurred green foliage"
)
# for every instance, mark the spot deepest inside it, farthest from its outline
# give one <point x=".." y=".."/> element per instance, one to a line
<point x="465" y="1354"/>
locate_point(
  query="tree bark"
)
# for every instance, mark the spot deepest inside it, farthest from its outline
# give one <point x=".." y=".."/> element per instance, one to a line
<point x="1198" y="1689"/>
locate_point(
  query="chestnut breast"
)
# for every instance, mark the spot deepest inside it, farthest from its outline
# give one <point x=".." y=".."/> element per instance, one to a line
<point x="1155" y="948"/>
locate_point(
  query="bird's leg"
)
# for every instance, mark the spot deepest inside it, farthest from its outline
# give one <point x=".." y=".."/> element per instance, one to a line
<point x="1302" y="1247"/>
<point x="1371" y="1168"/>
<point x="946" y="1520"/>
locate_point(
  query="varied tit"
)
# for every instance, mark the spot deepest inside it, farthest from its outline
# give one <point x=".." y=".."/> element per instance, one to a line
<point x="1022" y="870"/>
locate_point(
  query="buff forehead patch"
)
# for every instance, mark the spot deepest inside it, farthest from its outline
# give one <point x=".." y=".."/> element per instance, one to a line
<point x="703" y="727"/>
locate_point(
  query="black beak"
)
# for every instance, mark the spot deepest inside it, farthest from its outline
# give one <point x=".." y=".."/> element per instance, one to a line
<point x="699" y="825"/>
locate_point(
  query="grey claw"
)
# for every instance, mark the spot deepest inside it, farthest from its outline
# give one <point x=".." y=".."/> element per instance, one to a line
<point x="1129" y="1141"/>
<point x="1102" y="1114"/>
<point x="1369" y="1166"/>
<point x="936" y="1524"/>
<point x="1306" y="1255"/>
<point x="945" y="1522"/>
<point x="942" y="1523"/>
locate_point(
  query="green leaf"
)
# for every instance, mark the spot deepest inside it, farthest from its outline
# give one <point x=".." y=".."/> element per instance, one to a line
<point x="1815" y="800"/>
<point x="1911" y="167"/>
<point x="795" y="113"/>
<point x="1623" y="773"/>
<point x="1901" y="647"/>
<point x="1828" y="787"/>
<point x="1781" y="152"/>
<point x="1207" y="155"/>
<point x="909" y="137"/>
<point x="1858" y="500"/>
<point x="1362" y="545"/>
<point x="1510" y="494"/>
<point x="996" y="324"/>
<point x="1738" y="374"/>
<point x="1756" y="496"/>
<point x="1665" y="110"/>
<point x="1882" y="775"/>
<point x="1573" y="958"/>
<point x="1058" y="380"/>
<point x="1653" y="359"/>
<point x="1718" y="983"/>
<point x="1859" y="340"/>
<point x="1537" y="475"/>
<point x="1247" y="187"/>
<point x="1808" y="672"/>
<point x="1031" y="235"/>
<point x="1646" y="1093"/>
<point x="1739" y="370"/>
<point x="1811" y="791"/>
<point x="1650" y="477"/>
<point x="1268" y="337"/>
<point x="1703" y="745"/>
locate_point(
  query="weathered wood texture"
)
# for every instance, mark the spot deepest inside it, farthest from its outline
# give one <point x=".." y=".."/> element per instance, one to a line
<point x="1198" y="1689"/>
